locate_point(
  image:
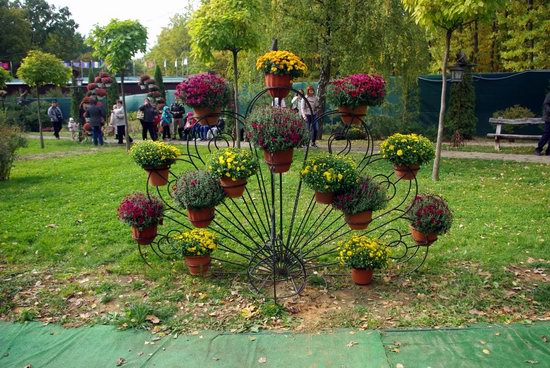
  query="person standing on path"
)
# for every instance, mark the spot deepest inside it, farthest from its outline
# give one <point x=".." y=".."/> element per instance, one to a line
<point x="118" y="120"/>
<point x="97" y="117"/>
<point x="177" y="111"/>
<point x="166" y="122"/>
<point x="309" y="115"/>
<point x="148" y="121"/>
<point x="545" y="139"/>
<point x="56" y="117"/>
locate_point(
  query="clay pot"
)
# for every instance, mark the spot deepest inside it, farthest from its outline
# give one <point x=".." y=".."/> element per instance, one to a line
<point x="421" y="238"/>
<point x="197" y="265"/>
<point x="207" y="116"/>
<point x="352" y="115"/>
<point x="145" y="236"/>
<point x="233" y="188"/>
<point x="158" y="177"/>
<point x="406" y="172"/>
<point x="280" y="161"/>
<point x="361" y="276"/>
<point x="359" y="221"/>
<point x="278" y="80"/>
<point x="201" y="217"/>
<point x="324" y="197"/>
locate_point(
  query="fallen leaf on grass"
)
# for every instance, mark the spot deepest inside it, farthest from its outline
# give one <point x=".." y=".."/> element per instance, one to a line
<point x="262" y="360"/>
<point x="153" y="319"/>
<point x="399" y="365"/>
<point x="352" y="344"/>
<point x="52" y="226"/>
<point x="476" y="312"/>
<point x="486" y="351"/>
<point x="532" y="361"/>
<point x="120" y="361"/>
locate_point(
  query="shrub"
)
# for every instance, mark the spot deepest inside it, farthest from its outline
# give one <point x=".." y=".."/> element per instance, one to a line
<point x="356" y="90"/>
<point x="10" y="140"/>
<point x="198" y="189"/>
<point x="281" y="62"/>
<point x="365" y="195"/>
<point x="196" y="242"/>
<point x="234" y="163"/>
<point x="409" y="149"/>
<point x="154" y="154"/>
<point x="276" y="129"/>
<point x="514" y="112"/>
<point x="363" y="253"/>
<point x="140" y="211"/>
<point x="203" y="90"/>
<point x="430" y="214"/>
<point x="461" y="114"/>
<point x="329" y="173"/>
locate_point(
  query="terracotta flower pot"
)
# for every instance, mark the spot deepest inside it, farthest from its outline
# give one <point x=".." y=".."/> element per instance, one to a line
<point x="421" y="238"/>
<point x="361" y="276"/>
<point x="278" y="80"/>
<point x="324" y="197"/>
<point x="280" y="161"/>
<point x="352" y="115"/>
<point x="359" y="221"/>
<point x="233" y="188"/>
<point x="201" y="217"/>
<point x="145" y="236"/>
<point x="406" y="172"/>
<point x="158" y="177"/>
<point x="198" y="265"/>
<point x="207" y="116"/>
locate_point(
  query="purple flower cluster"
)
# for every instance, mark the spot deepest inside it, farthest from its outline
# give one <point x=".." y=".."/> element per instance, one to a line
<point x="203" y="90"/>
<point x="140" y="211"/>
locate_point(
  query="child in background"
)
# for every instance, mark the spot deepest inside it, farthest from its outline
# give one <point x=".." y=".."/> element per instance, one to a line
<point x="73" y="128"/>
<point x="166" y="121"/>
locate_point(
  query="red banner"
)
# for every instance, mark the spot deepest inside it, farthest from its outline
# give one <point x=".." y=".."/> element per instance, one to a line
<point x="5" y="65"/>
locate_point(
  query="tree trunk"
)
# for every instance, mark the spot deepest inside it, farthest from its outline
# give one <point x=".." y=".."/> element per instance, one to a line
<point x="39" y="120"/>
<point x="475" y="52"/>
<point x="324" y="79"/>
<point x="236" y="90"/>
<point x="126" y="128"/>
<point x="494" y="36"/>
<point x="440" y="126"/>
<point x="530" y="42"/>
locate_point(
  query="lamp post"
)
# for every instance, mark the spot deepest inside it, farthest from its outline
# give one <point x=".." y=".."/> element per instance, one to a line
<point x="457" y="70"/>
<point x="186" y="64"/>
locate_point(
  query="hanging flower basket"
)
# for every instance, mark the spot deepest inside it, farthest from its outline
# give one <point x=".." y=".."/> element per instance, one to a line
<point x="281" y="84"/>
<point x="406" y="172"/>
<point x="422" y="238"/>
<point x="358" y="221"/>
<point x="363" y="255"/>
<point x="324" y="197"/>
<point x="361" y="276"/>
<point x="143" y="213"/>
<point x="352" y="115"/>
<point x="233" y="188"/>
<point x="196" y="246"/>
<point x="201" y="217"/>
<point x="155" y="158"/>
<point x="198" y="265"/>
<point x="145" y="236"/>
<point x="207" y="116"/>
<point x="429" y="215"/>
<point x="158" y="176"/>
<point x="279" y="68"/>
<point x="407" y="152"/>
<point x="233" y="166"/>
<point x="280" y="161"/>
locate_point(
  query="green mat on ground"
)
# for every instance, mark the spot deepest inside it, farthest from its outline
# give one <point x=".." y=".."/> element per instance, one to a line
<point x="102" y="346"/>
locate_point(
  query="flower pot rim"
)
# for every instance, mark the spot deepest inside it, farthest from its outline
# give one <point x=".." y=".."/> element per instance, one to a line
<point x="156" y="168"/>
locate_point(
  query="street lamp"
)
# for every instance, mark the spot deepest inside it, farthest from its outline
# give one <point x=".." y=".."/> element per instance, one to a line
<point x="457" y="70"/>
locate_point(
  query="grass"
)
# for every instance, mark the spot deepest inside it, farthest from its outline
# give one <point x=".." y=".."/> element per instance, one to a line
<point x="65" y="257"/>
<point x="472" y="147"/>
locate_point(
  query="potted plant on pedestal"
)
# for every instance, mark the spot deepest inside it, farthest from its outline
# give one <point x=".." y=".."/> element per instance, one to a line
<point x="196" y="247"/>
<point x="155" y="158"/>
<point x="277" y="131"/>
<point x="143" y="214"/>
<point x="407" y="152"/>
<point x="199" y="192"/>
<point x="363" y="256"/>
<point x="360" y="201"/>
<point x="429" y="216"/>
<point x="233" y="166"/>
<point x="329" y="174"/>
<point x="352" y="95"/>
<point x="279" y="68"/>
<point x="206" y="93"/>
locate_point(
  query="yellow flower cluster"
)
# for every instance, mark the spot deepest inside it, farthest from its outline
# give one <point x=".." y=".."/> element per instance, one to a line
<point x="154" y="154"/>
<point x="196" y="242"/>
<point x="363" y="252"/>
<point x="281" y="62"/>
<point x="233" y="163"/>
<point x="329" y="173"/>
<point x="407" y="149"/>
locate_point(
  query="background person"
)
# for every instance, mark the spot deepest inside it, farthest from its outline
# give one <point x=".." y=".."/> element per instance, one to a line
<point x="148" y="120"/>
<point x="97" y="117"/>
<point x="545" y="139"/>
<point x="56" y="117"/>
<point x="309" y="115"/>
<point x="177" y="110"/>
<point x="118" y="122"/>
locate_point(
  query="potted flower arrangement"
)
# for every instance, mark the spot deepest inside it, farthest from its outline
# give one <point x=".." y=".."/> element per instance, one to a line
<point x="360" y="201"/>
<point x="233" y="166"/>
<point x="142" y="81"/>
<point x="91" y="87"/>
<point x="199" y="192"/>
<point x="206" y="93"/>
<point x="151" y="84"/>
<point x="352" y="95"/>
<point x="279" y="68"/>
<point x="155" y="158"/>
<point x="143" y="214"/>
<point x="363" y="256"/>
<point x="107" y="81"/>
<point x="329" y="174"/>
<point x="407" y="152"/>
<point x="277" y="131"/>
<point x="98" y="82"/>
<point x="196" y="247"/>
<point x="429" y="216"/>
<point x="101" y="92"/>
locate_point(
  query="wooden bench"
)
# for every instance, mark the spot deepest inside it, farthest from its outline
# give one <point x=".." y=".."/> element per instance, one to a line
<point x="500" y="122"/>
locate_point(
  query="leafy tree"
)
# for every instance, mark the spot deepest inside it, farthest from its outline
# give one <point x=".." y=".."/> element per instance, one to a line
<point x="160" y="82"/>
<point x="461" y="116"/>
<point x="446" y="16"/>
<point x="225" y="25"/>
<point x="14" y="43"/>
<point x="116" y="44"/>
<point x="5" y="77"/>
<point x="39" y="69"/>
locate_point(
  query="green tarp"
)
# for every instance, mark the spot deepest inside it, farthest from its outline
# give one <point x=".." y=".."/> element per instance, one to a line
<point x="103" y="346"/>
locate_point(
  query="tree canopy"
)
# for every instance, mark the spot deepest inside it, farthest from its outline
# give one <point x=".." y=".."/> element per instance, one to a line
<point x="41" y="68"/>
<point x="5" y="77"/>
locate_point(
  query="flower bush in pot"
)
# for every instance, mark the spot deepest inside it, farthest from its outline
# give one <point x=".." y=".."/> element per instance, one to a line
<point x="360" y="201"/>
<point x="407" y="152"/>
<point x="196" y="246"/>
<point x="429" y="216"/>
<point x="143" y="214"/>
<point x="233" y="166"/>
<point x="279" y="68"/>
<point x="199" y="192"/>
<point x="352" y="95"/>
<point x="155" y="158"/>
<point x="329" y="174"/>
<point x="277" y="131"/>
<point x="363" y="256"/>
<point x="206" y="93"/>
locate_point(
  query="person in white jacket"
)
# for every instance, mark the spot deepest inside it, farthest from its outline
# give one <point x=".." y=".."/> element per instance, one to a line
<point x="118" y="122"/>
<point x="309" y="114"/>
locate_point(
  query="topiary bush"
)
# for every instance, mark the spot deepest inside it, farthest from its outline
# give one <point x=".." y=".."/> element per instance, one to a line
<point x="11" y="139"/>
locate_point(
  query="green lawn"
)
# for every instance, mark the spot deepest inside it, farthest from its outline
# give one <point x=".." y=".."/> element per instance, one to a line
<point x="64" y="256"/>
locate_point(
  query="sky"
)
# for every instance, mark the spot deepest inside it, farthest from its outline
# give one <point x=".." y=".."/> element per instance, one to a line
<point x="152" y="14"/>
